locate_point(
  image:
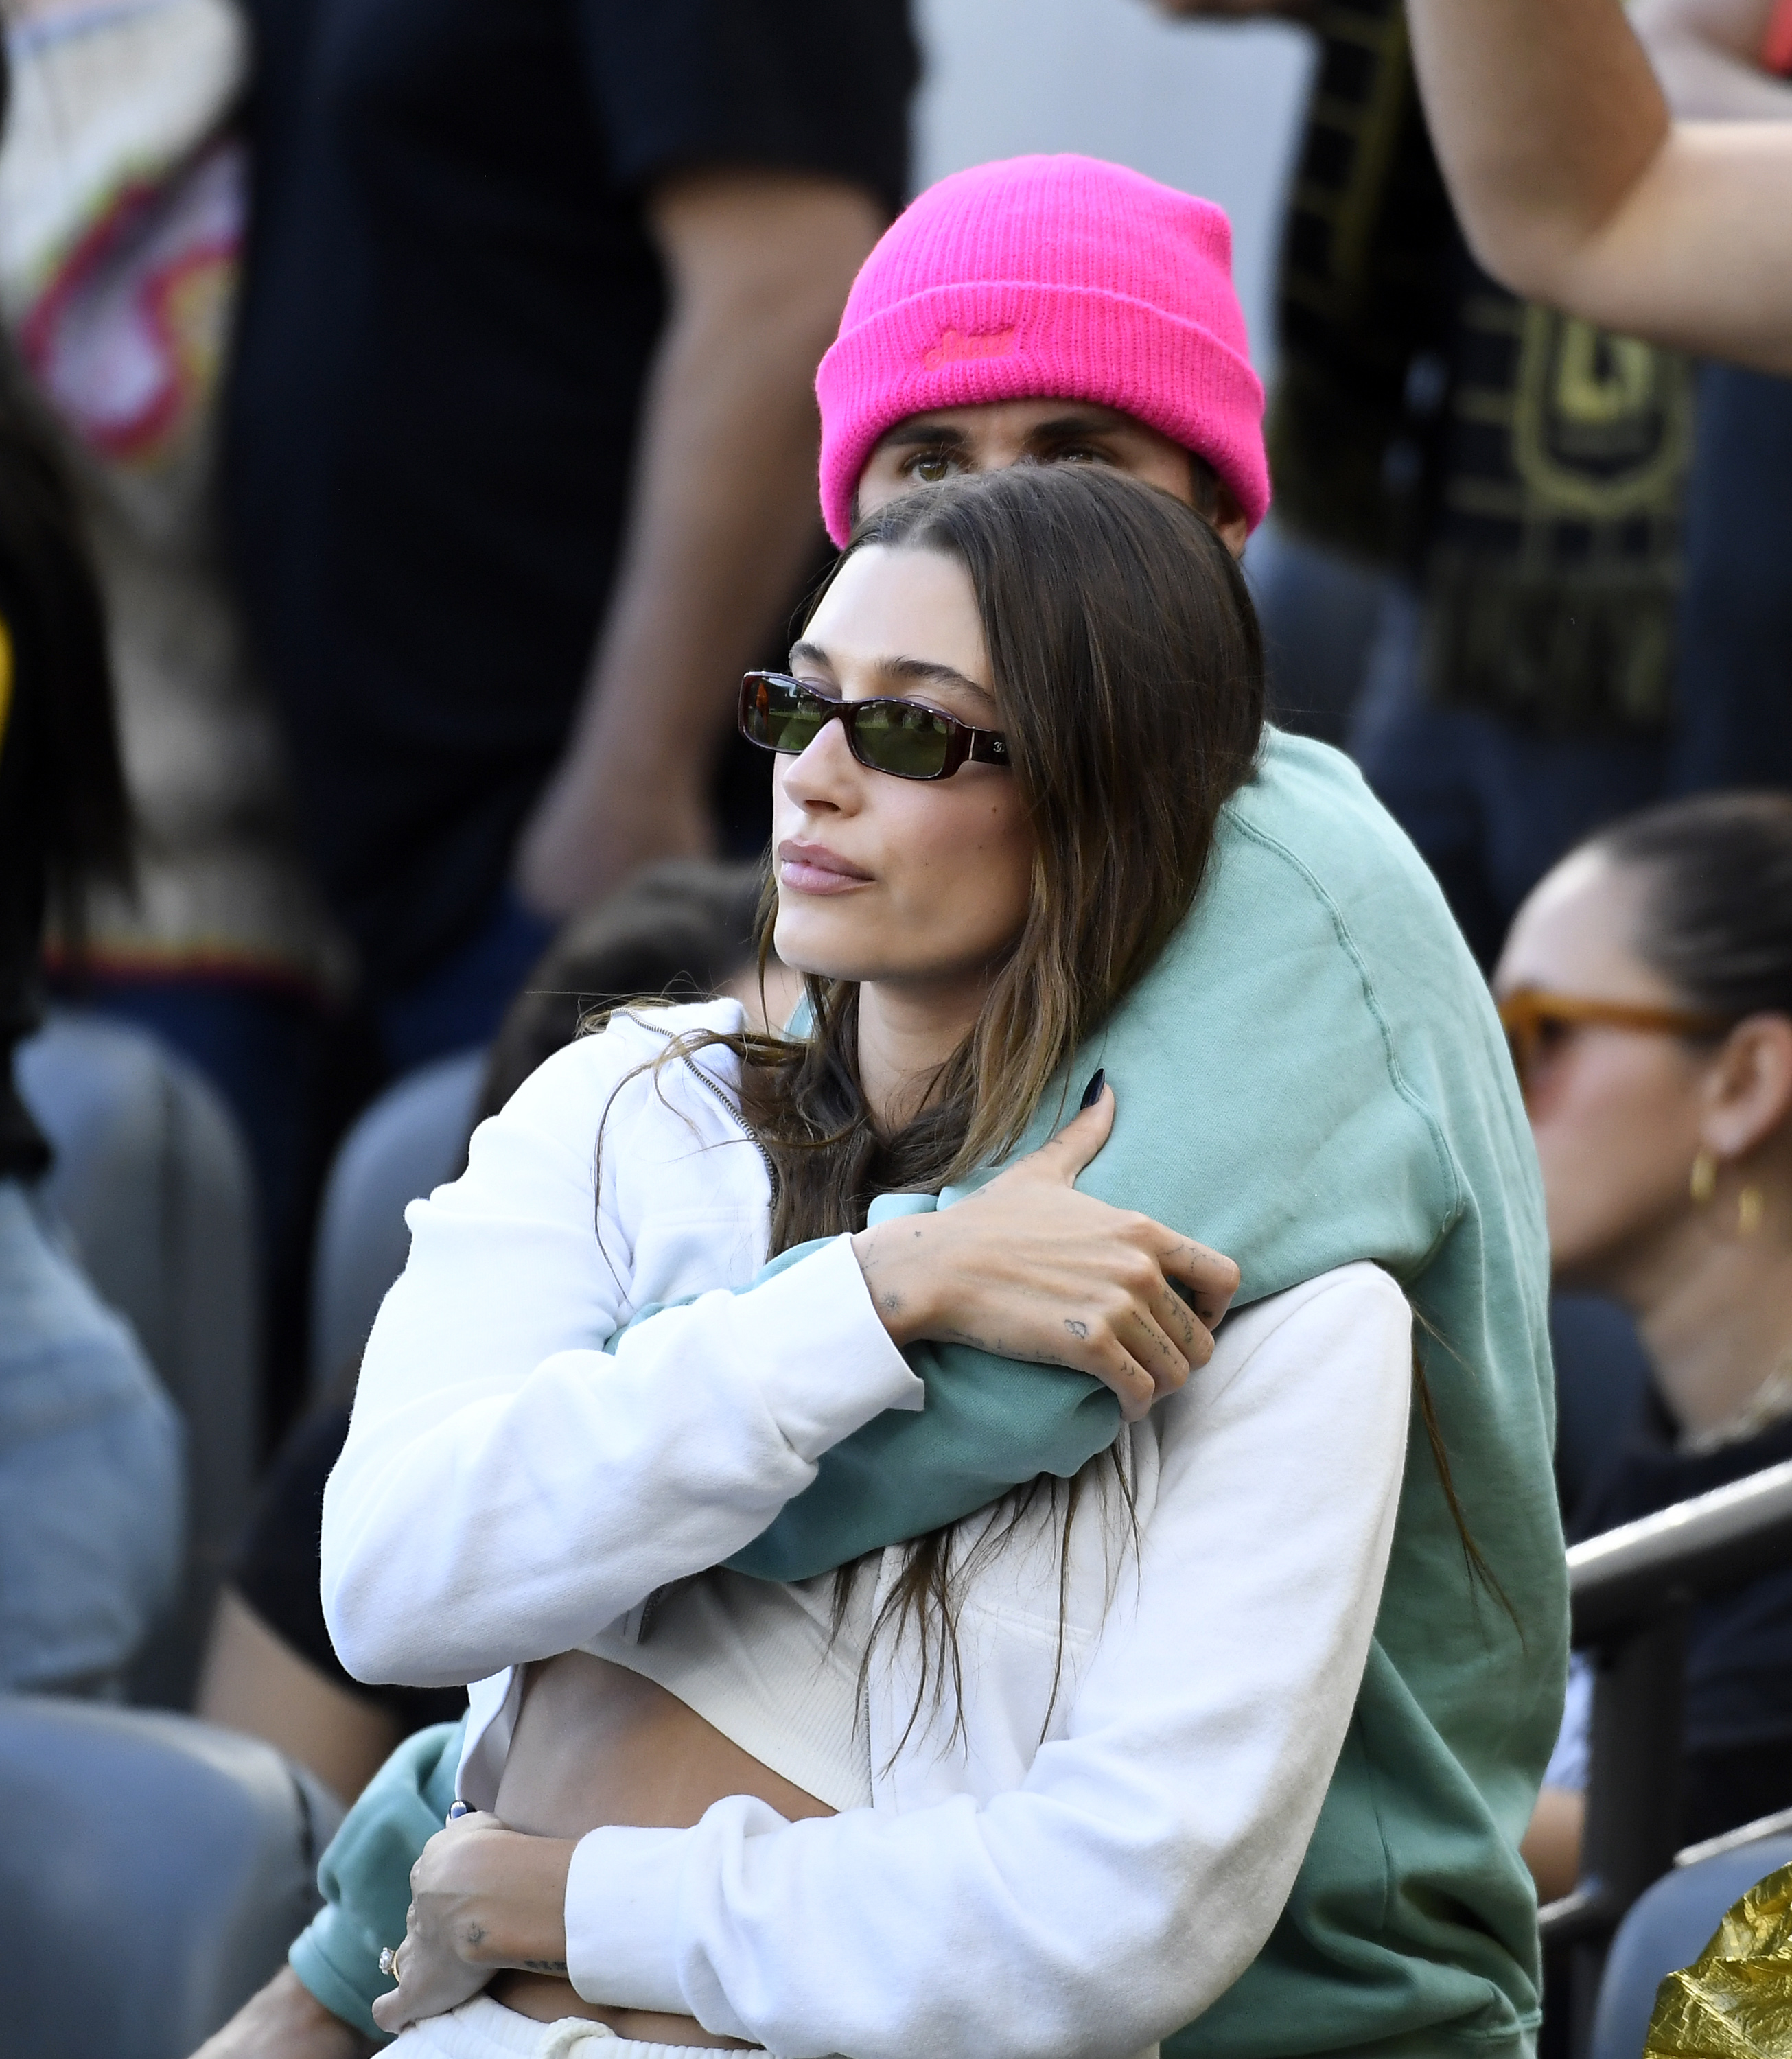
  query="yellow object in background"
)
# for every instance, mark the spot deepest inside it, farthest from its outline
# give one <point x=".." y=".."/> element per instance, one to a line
<point x="1734" y="2001"/>
<point x="5" y="678"/>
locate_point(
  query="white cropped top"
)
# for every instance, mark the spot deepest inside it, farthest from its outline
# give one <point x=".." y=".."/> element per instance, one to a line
<point x="1088" y="1844"/>
<point x="764" y="1664"/>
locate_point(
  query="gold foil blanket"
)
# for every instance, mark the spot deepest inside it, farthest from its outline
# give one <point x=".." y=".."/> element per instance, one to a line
<point x="1734" y="2001"/>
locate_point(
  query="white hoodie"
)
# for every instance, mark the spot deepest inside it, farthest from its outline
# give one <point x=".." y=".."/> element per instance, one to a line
<point x="1078" y="1874"/>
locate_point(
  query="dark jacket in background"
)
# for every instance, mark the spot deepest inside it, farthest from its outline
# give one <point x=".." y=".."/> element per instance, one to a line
<point x="1737" y="1752"/>
<point x="451" y="304"/>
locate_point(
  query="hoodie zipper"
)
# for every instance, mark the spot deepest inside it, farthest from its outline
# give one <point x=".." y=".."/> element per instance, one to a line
<point x="739" y="1122"/>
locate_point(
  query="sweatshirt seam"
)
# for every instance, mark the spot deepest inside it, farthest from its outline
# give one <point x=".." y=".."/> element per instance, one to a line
<point x="1373" y="1775"/>
<point x="1453" y="1213"/>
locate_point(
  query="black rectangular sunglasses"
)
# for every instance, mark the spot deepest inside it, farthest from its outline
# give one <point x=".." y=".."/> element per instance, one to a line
<point x="780" y="714"/>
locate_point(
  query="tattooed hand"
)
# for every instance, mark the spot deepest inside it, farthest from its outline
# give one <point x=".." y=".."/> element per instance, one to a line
<point x="482" y="1896"/>
<point x="1028" y="1268"/>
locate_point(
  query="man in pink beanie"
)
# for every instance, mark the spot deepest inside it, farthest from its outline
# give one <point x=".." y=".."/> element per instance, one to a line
<point x="1047" y="308"/>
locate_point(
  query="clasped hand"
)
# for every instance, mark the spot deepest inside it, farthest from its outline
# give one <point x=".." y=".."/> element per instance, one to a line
<point x="482" y="1896"/>
<point x="1028" y="1268"/>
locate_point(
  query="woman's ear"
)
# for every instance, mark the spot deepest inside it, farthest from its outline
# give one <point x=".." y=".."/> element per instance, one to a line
<point x="1748" y="1093"/>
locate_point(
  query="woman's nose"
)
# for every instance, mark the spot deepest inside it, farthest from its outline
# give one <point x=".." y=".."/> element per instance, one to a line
<point x="825" y="774"/>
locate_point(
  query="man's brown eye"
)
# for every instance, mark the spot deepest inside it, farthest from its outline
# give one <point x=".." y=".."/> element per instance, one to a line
<point x="931" y="466"/>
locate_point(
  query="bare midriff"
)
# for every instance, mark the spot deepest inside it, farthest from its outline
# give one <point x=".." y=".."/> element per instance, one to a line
<point x="595" y="1744"/>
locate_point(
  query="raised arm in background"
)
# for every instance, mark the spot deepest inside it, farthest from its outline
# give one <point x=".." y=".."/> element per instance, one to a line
<point x="723" y="509"/>
<point x="1720" y="60"/>
<point x="1574" y="186"/>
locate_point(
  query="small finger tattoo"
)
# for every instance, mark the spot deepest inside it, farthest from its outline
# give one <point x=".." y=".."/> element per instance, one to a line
<point x="1079" y="1331"/>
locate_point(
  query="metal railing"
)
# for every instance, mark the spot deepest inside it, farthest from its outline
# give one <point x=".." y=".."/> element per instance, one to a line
<point x="1632" y="1592"/>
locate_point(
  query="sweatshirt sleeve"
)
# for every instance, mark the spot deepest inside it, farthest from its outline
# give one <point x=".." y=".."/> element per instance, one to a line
<point x="364" y="1875"/>
<point x="509" y="1486"/>
<point x="1143" y="1862"/>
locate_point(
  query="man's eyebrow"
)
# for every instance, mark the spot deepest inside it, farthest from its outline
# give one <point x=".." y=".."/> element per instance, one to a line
<point x="810" y="654"/>
<point x="1099" y="421"/>
<point x="906" y="434"/>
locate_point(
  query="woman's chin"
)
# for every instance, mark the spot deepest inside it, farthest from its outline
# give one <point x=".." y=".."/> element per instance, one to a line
<point x="810" y="944"/>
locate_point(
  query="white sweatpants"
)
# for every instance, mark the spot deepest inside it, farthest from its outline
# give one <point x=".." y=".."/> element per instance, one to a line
<point x="483" y="2029"/>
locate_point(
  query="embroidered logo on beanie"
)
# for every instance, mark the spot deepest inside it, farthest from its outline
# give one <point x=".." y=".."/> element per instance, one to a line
<point x="1048" y="278"/>
<point x="954" y="347"/>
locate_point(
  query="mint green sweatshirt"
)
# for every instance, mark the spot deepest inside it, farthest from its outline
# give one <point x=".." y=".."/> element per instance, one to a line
<point x="1312" y="1074"/>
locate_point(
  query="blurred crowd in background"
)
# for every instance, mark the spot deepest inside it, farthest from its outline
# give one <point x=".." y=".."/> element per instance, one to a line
<point x="382" y="380"/>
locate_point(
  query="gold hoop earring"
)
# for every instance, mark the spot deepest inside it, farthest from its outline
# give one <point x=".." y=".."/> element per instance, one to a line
<point x="1751" y="1205"/>
<point x="1704" y="1181"/>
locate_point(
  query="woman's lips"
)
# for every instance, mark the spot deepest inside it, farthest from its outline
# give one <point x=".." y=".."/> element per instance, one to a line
<point x="812" y="868"/>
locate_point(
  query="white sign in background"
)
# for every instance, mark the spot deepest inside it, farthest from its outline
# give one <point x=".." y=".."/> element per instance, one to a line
<point x="1211" y="107"/>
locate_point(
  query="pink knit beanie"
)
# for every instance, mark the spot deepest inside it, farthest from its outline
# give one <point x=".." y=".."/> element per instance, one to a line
<point x="1045" y="278"/>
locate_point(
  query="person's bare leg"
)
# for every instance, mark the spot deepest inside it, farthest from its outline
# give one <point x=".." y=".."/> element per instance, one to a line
<point x="254" y="1681"/>
<point x="285" y="2021"/>
<point x="1551" y="1845"/>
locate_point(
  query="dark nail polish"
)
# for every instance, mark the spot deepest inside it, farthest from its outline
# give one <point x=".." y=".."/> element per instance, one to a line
<point x="1092" y="1094"/>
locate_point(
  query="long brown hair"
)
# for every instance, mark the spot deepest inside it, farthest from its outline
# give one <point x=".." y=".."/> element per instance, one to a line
<point x="1128" y="667"/>
<point x="1127" y="671"/>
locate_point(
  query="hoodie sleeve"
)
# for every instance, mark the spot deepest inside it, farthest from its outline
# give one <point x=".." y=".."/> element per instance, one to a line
<point x="509" y="1486"/>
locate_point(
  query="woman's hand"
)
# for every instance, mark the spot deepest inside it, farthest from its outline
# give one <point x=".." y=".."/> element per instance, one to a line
<point x="482" y="1897"/>
<point x="1029" y="1268"/>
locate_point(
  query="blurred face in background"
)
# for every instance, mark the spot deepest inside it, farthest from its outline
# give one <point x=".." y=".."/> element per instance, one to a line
<point x="1621" y="1112"/>
<point x="1618" y="1114"/>
<point x="946" y="441"/>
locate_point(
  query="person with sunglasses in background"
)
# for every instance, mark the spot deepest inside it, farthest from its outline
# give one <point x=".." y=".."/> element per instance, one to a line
<point x="1646" y="988"/>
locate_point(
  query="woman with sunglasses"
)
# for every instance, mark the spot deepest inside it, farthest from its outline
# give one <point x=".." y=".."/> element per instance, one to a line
<point x="1046" y="1778"/>
<point x="1647" y="987"/>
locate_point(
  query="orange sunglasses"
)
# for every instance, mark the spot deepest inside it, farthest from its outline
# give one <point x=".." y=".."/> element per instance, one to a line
<point x="1534" y="1020"/>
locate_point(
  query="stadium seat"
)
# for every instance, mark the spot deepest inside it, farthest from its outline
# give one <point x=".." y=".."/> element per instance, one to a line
<point x="412" y="1139"/>
<point x="154" y="1871"/>
<point x="1669" y="1927"/>
<point x="152" y="1183"/>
